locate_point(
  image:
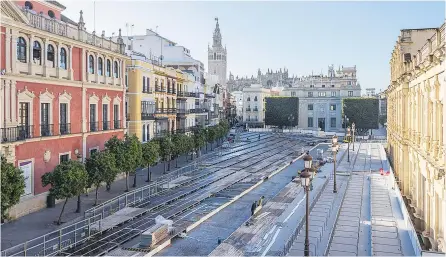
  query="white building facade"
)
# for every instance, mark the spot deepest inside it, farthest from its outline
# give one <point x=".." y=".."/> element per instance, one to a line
<point x="254" y="104"/>
<point x="238" y="99"/>
<point x="320" y="97"/>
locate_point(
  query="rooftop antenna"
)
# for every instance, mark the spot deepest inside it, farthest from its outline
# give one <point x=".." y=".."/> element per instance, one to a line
<point x="94" y="15"/>
<point x="156" y="29"/>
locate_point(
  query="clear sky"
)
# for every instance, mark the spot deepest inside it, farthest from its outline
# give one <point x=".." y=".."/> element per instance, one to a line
<point x="303" y="36"/>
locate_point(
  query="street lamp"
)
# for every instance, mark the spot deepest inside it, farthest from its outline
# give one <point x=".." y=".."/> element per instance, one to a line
<point x="353" y="130"/>
<point x="291" y="119"/>
<point x="348" y="144"/>
<point x="334" y="148"/>
<point x="345" y="123"/>
<point x="305" y="180"/>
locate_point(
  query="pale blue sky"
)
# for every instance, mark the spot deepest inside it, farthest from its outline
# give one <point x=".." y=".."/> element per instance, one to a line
<point x="303" y="36"/>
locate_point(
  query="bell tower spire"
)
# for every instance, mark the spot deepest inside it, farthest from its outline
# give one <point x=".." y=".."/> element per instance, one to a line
<point x="217" y="35"/>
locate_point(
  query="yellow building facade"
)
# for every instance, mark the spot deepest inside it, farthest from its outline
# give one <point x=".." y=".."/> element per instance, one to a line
<point x="151" y="99"/>
<point x="415" y="129"/>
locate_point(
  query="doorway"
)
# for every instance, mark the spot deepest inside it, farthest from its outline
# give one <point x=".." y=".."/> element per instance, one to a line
<point x="321" y="123"/>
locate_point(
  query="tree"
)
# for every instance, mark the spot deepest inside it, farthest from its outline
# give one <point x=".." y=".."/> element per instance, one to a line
<point x="177" y="147"/>
<point x="190" y="146"/>
<point x="13" y="186"/>
<point x="133" y="150"/>
<point x="364" y="112"/>
<point x="279" y="110"/>
<point x="211" y="134"/>
<point x="383" y="119"/>
<point x="116" y="147"/>
<point x="150" y="155"/>
<point x="68" y="179"/>
<point x="166" y="148"/>
<point x="101" y="167"/>
<point x="199" y="139"/>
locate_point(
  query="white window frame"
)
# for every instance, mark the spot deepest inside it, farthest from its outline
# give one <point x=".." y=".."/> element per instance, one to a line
<point x="32" y="176"/>
<point x="333" y="93"/>
<point x="46" y="97"/>
<point x="93" y="100"/>
<point x="349" y="93"/>
<point x="117" y="101"/>
<point x="69" y="155"/>
<point x="106" y="100"/>
<point x="26" y="97"/>
<point x="92" y="148"/>
<point x="65" y="98"/>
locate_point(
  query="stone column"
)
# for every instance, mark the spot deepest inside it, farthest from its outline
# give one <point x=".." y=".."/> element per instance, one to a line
<point x="70" y="62"/>
<point x="14" y="52"/>
<point x="13" y="103"/>
<point x="30" y="55"/>
<point x="8" y="51"/>
<point x="45" y="57"/>
<point x="57" y="59"/>
<point x="96" y="65"/>
<point x="84" y="110"/>
<point x="83" y="65"/>
<point x="7" y="102"/>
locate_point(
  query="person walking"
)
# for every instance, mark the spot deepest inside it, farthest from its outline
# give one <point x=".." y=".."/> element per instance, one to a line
<point x="259" y="137"/>
<point x="253" y="207"/>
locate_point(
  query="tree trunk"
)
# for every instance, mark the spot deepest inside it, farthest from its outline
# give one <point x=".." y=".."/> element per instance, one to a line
<point x="149" y="174"/>
<point x="176" y="162"/>
<point x="206" y="147"/>
<point x="168" y="165"/>
<point x="126" y="182"/>
<point x="96" y="199"/>
<point x="108" y="186"/>
<point x="164" y="171"/>
<point x="78" y="209"/>
<point x="63" y="208"/>
<point x="134" y="180"/>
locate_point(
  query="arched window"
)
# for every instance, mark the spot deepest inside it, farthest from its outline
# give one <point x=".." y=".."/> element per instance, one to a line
<point x="21" y="49"/>
<point x="37" y="53"/>
<point x="50" y="54"/>
<point x="63" y="58"/>
<point x="116" y="69"/>
<point x="255" y="98"/>
<point x="100" y="66"/>
<point x="91" y="64"/>
<point x="144" y="133"/>
<point x="28" y="5"/>
<point x="215" y="56"/>
<point x="51" y="14"/>
<point x="108" y="71"/>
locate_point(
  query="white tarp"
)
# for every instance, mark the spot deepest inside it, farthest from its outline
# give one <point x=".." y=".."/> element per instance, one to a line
<point x="161" y="220"/>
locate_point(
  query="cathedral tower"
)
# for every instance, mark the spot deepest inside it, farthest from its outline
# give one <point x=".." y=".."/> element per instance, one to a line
<point x="217" y="62"/>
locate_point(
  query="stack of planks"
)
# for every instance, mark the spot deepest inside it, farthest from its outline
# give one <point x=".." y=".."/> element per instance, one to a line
<point x="153" y="235"/>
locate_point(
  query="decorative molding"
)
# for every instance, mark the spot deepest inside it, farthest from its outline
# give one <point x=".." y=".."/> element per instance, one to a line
<point x="117" y="99"/>
<point x="46" y="95"/>
<point x="65" y="95"/>
<point x="106" y="99"/>
<point x="93" y="98"/>
<point x="26" y="94"/>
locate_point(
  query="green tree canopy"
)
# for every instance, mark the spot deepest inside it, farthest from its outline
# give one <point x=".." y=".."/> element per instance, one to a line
<point x="199" y="139"/>
<point x="364" y="112"/>
<point x="281" y="111"/>
<point x="13" y="186"/>
<point x="101" y="167"/>
<point x="68" y="179"/>
<point x="150" y="155"/>
<point x="166" y="149"/>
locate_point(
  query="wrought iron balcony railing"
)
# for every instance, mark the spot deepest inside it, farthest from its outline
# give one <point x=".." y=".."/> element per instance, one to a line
<point x="18" y="133"/>
<point x="65" y="128"/>
<point x="46" y="130"/>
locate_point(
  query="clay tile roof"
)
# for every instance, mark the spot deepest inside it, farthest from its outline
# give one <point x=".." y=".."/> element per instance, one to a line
<point x="57" y="4"/>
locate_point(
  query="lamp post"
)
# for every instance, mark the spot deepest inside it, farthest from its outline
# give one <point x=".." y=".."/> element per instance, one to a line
<point x="353" y="131"/>
<point x="305" y="180"/>
<point x="345" y="123"/>
<point x="334" y="148"/>
<point x="348" y="144"/>
<point x="291" y="119"/>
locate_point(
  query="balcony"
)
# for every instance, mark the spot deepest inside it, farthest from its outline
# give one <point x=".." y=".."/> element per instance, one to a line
<point x="46" y="130"/>
<point x="17" y="133"/>
<point x="171" y="110"/>
<point x="209" y="95"/>
<point x="248" y="109"/>
<point x="94" y="126"/>
<point x="65" y="128"/>
<point x="106" y="125"/>
<point x="183" y="130"/>
<point x="147" y="91"/>
<point x="116" y="124"/>
<point x="158" y="89"/>
<point x="256" y="110"/>
<point x="147" y="116"/>
<point x="183" y="111"/>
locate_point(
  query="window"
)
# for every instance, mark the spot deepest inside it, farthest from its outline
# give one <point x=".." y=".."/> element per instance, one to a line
<point x="116" y="67"/>
<point x="64" y="158"/>
<point x="322" y="94"/>
<point x="332" y="107"/>
<point x="349" y="83"/>
<point x="51" y="14"/>
<point x="333" y="93"/>
<point x="63" y="58"/>
<point x="93" y="151"/>
<point x="45" y="119"/>
<point x="332" y="86"/>
<point x="50" y="54"/>
<point x="255" y="98"/>
<point x="21" y="49"/>
<point x="63" y="119"/>
<point x="350" y="93"/>
<point x="28" y="5"/>
<point x="108" y="71"/>
<point x="144" y="139"/>
<point x="333" y="122"/>
<point x="144" y="84"/>
<point x="310" y="122"/>
<point x="311" y="85"/>
<point x="249" y="99"/>
<point x="105" y="125"/>
<point x="116" y="116"/>
<point x="100" y="66"/>
<point x="37" y="53"/>
<point x="293" y="93"/>
<point x="126" y="81"/>
<point x="323" y="85"/>
<point x="91" y="64"/>
<point x="24" y="128"/>
<point x="148" y="84"/>
<point x="310" y="107"/>
<point x="310" y="94"/>
<point x="93" y="126"/>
